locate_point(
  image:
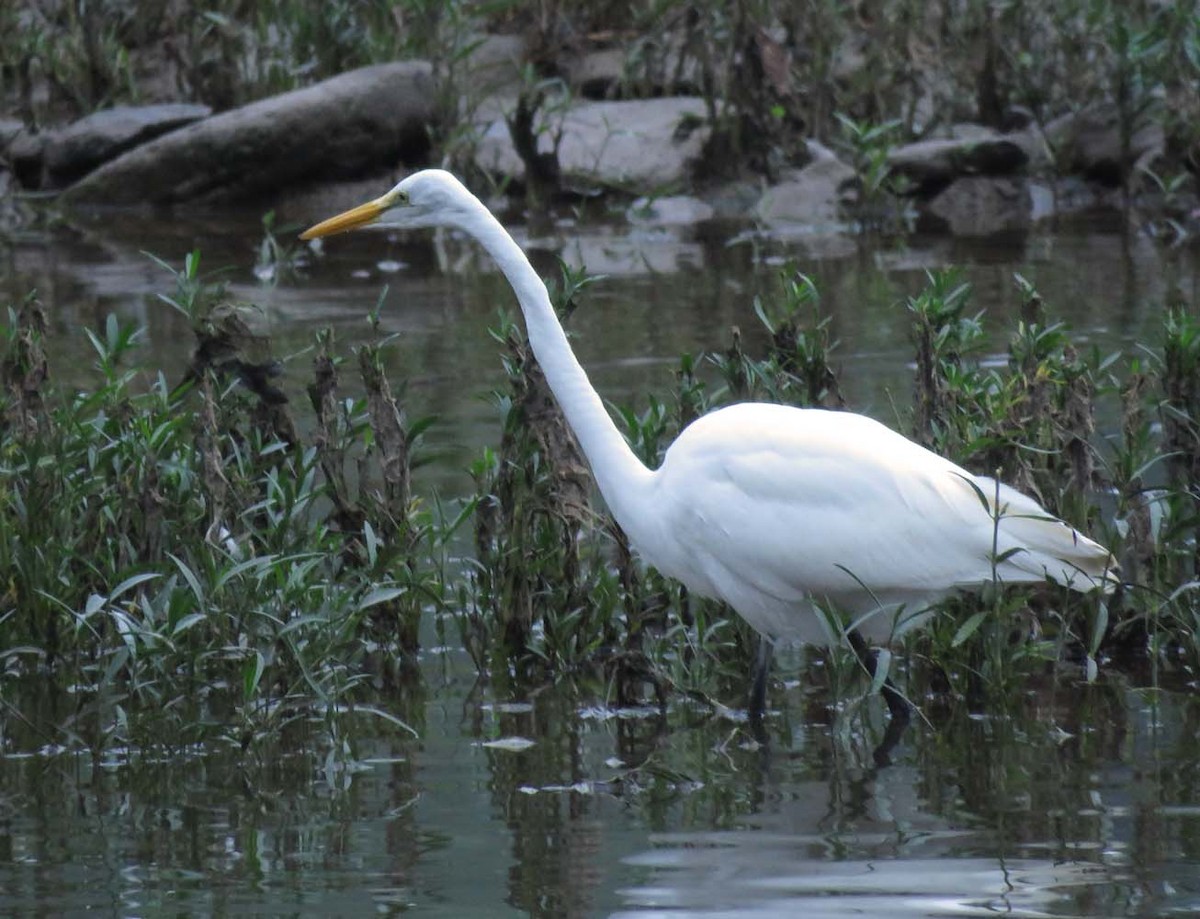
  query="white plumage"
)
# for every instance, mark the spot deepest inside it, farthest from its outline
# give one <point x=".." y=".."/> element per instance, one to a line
<point x="772" y="508"/>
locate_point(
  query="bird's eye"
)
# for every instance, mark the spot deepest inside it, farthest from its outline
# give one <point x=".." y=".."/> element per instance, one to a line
<point x="402" y="197"/>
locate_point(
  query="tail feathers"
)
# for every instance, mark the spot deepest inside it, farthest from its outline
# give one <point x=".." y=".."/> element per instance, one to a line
<point x="1035" y="545"/>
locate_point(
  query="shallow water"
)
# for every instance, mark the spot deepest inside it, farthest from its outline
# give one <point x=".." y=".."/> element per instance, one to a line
<point x="1083" y="806"/>
<point x="664" y="293"/>
<point x="1080" y="801"/>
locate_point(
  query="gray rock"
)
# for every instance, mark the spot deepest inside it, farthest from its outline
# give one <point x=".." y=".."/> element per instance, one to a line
<point x="971" y="133"/>
<point x="812" y="195"/>
<point x="344" y="127"/>
<point x="1042" y="202"/>
<point x="494" y="63"/>
<point x="931" y="164"/>
<point x="89" y="142"/>
<point x="1071" y="197"/>
<point x="596" y="74"/>
<point x="10" y="130"/>
<point x="981" y="206"/>
<point x="1089" y="142"/>
<point x="22" y="151"/>
<point x="1038" y="156"/>
<point x="735" y="200"/>
<point x="642" y="146"/>
<point x="310" y="203"/>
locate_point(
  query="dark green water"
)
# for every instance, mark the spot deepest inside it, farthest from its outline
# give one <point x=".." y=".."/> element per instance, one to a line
<point x="1077" y="800"/>
<point x="1082" y="801"/>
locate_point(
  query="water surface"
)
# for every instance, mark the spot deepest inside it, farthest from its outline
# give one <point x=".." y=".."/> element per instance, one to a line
<point x="1078" y="801"/>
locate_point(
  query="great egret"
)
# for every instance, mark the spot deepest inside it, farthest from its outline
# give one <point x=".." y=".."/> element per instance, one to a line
<point x="773" y="509"/>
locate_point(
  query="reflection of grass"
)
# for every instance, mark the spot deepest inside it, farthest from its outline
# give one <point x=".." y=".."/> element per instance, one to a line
<point x="176" y="548"/>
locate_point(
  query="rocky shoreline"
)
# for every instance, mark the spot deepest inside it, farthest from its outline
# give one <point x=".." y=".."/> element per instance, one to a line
<point x="311" y="149"/>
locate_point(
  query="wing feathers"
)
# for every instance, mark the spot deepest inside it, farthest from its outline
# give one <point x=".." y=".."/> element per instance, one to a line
<point x="782" y="504"/>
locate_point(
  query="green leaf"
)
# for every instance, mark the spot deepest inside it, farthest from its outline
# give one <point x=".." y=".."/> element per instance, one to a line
<point x="252" y="671"/>
<point x="1008" y="553"/>
<point x="372" y="542"/>
<point x="420" y="426"/>
<point x="968" y="628"/>
<point x="380" y="595"/>
<point x="883" y="663"/>
<point x="129" y="583"/>
<point x="975" y="487"/>
<point x="192" y="580"/>
<point x="300" y="622"/>
<point x="187" y="622"/>
<point x="258" y="563"/>
<point x="391" y="719"/>
<point x="1099" y="628"/>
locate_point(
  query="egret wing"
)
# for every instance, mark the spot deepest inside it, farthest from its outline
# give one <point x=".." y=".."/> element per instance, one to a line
<point x="806" y="502"/>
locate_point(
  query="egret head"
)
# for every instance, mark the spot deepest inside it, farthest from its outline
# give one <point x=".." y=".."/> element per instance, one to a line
<point x="432" y="197"/>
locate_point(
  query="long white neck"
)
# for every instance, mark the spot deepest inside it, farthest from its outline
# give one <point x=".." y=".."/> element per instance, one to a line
<point x="621" y="476"/>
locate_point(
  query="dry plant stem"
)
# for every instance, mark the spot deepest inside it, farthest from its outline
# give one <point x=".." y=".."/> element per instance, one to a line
<point x="25" y="372"/>
<point x="215" y="482"/>
<point x="387" y="420"/>
<point x="322" y="392"/>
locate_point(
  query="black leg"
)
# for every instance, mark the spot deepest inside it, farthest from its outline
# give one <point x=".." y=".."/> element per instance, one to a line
<point x="762" y="670"/>
<point x="898" y="706"/>
<point x="896" y="703"/>
<point x="882" y="755"/>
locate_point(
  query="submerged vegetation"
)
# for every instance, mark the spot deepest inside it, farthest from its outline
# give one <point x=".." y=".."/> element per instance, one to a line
<point x="192" y="565"/>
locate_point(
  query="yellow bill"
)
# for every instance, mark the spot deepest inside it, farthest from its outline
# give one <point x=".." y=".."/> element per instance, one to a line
<point x="350" y="220"/>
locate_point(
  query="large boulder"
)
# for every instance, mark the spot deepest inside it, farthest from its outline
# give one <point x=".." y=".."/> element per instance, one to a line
<point x="642" y="146"/>
<point x="813" y="195"/>
<point x="83" y="145"/>
<point x="980" y="206"/>
<point x="22" y="151"/>
<point x="341" y="128"/>
<point x="931" y="165"/>
<point x="1072" y="196"/>
<point x="596" y="74"/>
<point x="1089" y="142"/>
<point x="493" y="61"/>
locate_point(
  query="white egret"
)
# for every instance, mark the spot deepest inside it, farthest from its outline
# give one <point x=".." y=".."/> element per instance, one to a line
<point x="773" y="509"/>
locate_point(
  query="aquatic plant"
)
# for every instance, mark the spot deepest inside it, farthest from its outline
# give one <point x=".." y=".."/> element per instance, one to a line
<point x="197" y="568"/>
<point x="542" y="595"/>
<point x="1029" y="421"/>
<point x="166" y="543"/>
